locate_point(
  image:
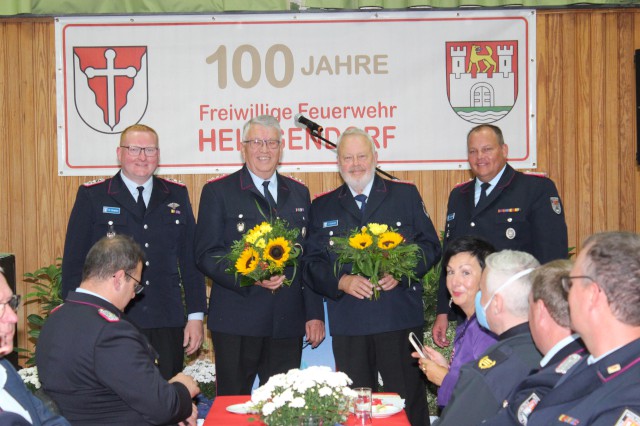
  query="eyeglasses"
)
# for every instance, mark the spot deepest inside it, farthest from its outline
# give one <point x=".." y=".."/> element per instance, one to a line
<point x="567" y="282"/>
<point x="149" y="151"/>
<point x="259" y="143"/>
<point x="14" y="302"/>
<point x="138" y="287"/>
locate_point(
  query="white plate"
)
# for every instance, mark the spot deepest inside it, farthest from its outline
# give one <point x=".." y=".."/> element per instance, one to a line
<point x="244" y="408"/>
<point x="382" y="411"/>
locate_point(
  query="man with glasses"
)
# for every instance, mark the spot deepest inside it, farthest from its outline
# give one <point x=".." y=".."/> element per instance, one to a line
<point x="157" y="213"/>
<point x="18" y="406"/>
<point x="256" y="330"/>
<point x="502" y="306"/>
<point x="604" y="306"/>
<point x="95" y="364"/>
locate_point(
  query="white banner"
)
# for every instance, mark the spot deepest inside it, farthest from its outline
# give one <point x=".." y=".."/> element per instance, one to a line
<point x="417" y="81"/>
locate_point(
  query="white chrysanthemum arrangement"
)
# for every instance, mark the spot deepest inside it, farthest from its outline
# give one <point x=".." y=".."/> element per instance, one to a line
<point x="315" y="390"/>
<point x="203" y="371"/>
<point x="30" y="378"/>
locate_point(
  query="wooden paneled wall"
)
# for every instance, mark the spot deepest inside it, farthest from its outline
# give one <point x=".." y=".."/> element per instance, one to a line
<point x="586" y="134"/>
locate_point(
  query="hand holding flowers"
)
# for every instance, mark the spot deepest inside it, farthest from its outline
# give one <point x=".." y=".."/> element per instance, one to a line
<point x="380" y="253"/>
<point x="263" y="253"/>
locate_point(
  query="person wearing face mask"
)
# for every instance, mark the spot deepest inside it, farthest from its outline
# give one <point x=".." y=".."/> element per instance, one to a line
<point x="18" y="406"/>
<point x="465" y="261"/>
<point x="502" y="306"/>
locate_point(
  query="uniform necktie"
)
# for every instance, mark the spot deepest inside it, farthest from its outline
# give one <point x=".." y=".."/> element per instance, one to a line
<point x="363" y="201"/>
<point x="140" y="202"/>
<point x="483" y="192"/>
<point x="268" y="196"/>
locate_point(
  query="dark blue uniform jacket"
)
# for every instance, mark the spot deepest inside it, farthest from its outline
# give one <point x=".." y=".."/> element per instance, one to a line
<point x="228" y="209"/>
<point x="100" y="369"/>
<point x="165" y="234"/>
<point x="485" y="383"/>
<point x="523" y="212"/>
<point x="336" y="213"/>
<point x="604" y="393"/>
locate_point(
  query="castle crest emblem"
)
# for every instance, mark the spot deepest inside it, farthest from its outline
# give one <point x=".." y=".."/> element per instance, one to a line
<point x="482" y="79"/>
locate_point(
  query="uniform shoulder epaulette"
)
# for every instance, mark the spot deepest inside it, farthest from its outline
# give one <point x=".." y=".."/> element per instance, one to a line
<point x="93" y="182"/>
<point x="324" y="193"/>
<point x="295" y="179"/>
<point x="108" y="315"/>
<point x="536" y="174"/>
<point x="57" y="307"/>
<point x="406" y="182"/>
<point x="174" y="181"/>
<point x="458" y="185"/>
<point x="215" y="178"/>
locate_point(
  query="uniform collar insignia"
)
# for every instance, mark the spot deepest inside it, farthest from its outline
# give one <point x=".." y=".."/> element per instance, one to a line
<point x="567" y="363"/>
<point x="486" y="362"/>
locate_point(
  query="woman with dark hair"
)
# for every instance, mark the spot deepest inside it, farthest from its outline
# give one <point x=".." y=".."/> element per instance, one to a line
<point x="464" y="261"/>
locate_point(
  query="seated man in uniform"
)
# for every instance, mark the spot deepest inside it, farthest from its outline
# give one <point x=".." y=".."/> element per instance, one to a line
<point x="502" y="306"/>
<point x="562" y="349"/>
<point x="94" y="363"/>
<point x="604" y="306"/>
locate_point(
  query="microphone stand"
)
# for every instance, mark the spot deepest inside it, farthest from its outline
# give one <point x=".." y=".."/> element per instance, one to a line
<point x="319" y="136"/>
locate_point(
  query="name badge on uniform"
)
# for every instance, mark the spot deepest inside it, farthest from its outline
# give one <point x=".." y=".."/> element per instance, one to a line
<point x="330" y="223"/>
<point x="110" y="210"/>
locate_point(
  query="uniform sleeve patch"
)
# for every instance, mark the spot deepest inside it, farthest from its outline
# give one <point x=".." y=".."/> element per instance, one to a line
<point x="93" y="182"/>
<point x="527" y="407"/>
<point x="108" y="315"/>
<point x="555" y="205"/>
<point x="628" y="418"/>
<point x="174" y="181"/>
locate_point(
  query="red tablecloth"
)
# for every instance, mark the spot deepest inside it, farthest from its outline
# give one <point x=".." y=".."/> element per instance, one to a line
<point x="219" y="416"/>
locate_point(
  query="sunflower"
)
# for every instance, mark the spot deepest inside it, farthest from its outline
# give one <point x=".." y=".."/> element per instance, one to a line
<point x="360" y="241"/>
<point x="247" y="261"/>
<point x="389" y="240"/>
<point x="277" y="251"/>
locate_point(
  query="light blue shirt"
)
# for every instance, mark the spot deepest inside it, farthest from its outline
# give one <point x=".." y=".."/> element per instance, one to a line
<point x="493" y="183"/>
<point x="556" y="348"/>
<point x="146" y="196"/>
<point x="133" y="188"/>
<point x="366" y="191"/>
<point x="273" y="184"/>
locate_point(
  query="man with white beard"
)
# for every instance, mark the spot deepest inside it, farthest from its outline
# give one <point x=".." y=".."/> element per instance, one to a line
<point x="371" y="336"/>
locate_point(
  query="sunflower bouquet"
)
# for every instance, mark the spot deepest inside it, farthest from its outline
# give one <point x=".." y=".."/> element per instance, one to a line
<point x="375" y="250"/>
<point x="264" y="251"/>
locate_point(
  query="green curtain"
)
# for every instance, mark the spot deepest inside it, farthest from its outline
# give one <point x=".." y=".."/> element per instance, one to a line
<point x="73" y="7"/>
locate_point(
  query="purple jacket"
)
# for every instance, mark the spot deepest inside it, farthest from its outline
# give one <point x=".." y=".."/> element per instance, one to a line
<point x="471" y="341"/>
